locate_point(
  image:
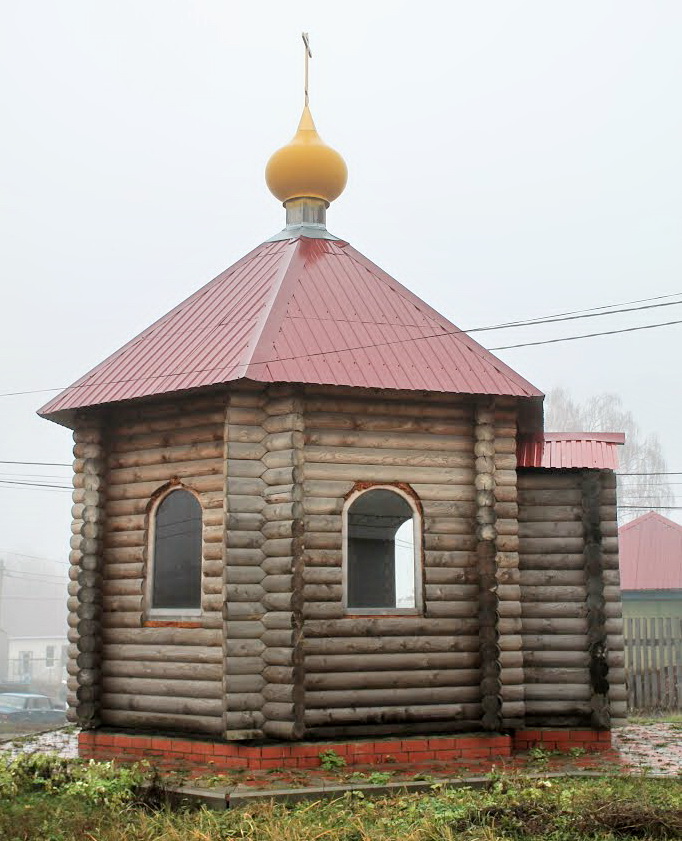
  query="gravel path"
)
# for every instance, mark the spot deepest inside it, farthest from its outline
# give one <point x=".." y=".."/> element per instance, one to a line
<point x="650" y="747"/>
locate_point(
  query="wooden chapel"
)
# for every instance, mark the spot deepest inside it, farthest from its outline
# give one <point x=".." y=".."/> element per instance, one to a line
<point x="306" y="505"/>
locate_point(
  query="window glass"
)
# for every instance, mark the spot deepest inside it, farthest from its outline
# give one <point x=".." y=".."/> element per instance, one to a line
<point x="177" y="552"/>
<point x="381" y="552"/>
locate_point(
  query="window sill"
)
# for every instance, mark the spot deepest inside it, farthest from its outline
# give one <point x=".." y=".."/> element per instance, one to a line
<point x="382" y="611"/>
<point x="170" y="623"/>
<point x="173" y="618"/>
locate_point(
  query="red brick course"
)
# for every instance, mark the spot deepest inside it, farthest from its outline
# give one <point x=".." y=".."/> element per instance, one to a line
<point x="418" y="752"/>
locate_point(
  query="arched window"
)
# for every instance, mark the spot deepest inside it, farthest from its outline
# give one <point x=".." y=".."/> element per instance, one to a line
<point x="176" y="560"/>
<point x="382" y="547"/>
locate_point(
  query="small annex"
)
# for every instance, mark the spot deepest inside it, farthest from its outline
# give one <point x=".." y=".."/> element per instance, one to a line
<point x="307" y="506"/>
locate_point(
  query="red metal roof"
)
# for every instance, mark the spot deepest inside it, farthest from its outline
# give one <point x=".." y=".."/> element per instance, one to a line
<point x="298" y="310"/>
<point x="650" y="551"/>
<point x="569" y="449"/>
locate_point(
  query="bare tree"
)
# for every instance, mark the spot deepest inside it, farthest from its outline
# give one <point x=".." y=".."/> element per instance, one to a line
<point x="641" y="454"/>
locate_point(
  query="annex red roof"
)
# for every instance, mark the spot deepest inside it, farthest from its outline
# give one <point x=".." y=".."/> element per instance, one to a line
<point x="650" y="550"/>
<point x="298" y="310"/>
<point x="569" y="449"/>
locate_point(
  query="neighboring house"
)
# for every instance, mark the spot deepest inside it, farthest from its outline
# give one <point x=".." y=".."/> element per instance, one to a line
<point x="33" y="624"/>
<point x="307" y="505"/>
<point x="651" y="567"/>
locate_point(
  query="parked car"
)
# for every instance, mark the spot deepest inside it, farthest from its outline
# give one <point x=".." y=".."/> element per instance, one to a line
<point x="23" y="708"/>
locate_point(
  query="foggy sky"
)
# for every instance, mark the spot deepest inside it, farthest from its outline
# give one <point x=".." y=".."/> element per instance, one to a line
<point x="506" y="160"/>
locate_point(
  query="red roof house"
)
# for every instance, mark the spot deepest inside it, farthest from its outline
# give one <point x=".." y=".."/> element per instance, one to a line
<point x="650" y="554"/>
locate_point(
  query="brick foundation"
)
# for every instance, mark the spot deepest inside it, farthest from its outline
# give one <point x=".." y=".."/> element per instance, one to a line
<point x="561" y="740"/>
<point x="178" y="753"/>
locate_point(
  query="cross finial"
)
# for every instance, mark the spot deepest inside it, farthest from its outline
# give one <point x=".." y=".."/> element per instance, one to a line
<point x="308" y="54"/>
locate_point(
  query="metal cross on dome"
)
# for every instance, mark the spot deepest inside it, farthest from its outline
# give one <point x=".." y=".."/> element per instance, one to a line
<point x="308" y="55"/>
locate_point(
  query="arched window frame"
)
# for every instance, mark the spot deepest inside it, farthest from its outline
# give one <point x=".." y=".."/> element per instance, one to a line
<point x="176" y="614"/>
<point x="417" y="523"/>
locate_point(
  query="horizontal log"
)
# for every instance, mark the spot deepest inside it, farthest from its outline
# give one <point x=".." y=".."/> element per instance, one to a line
<point x="123" y="587"/>
<point x="377" y="626"/>
<point x="145" y="490"/>
<point x="245" y="504"/>
<point x="556" y="707"/>
<point x="550" y="513"/>
<point x="178" y="689"/>
<point x="162" y="721"/>
<point x="382" y="698"/>
<point x="417" y="644"/>
<point x="168" y="455"/>
<point x="320" y="540"/>
<point x="553" y="577"/>
<point x="554" y="529"/>
<point x="174" y="705"/>
<point x="188" y="470"/>
<point x="381" y="662"/>
<point x="549" y="545"/>
<point x="242" y="556"/>
<point x="554" y="625"/>
<point x="246" y="433"/>
<point x="554" y="593"/>
<point x="241" y="486"/>
<point x="237" y="647"/>
<point x="332" y="438"/>
<point x="121" y="445"/>
<point x="164" y="636"/>
<point x="322" y="575"/>
<point x="549" y="496"/>
<point x="451" y="559"/>
<point x="323" y="682"/>
<point x="450" y="542"/>
<point x="548" y="480"/>
<point x="451" y="609"/>
<point x="385" y="473"/>
<point x="555" y="642"/>
<point x="169" y="418"/>
<point x="401" y="456"/>
<point x="350" y="399"/>
<point x="142" y="660"/>
<point x="559" y="561"/>
<point x="553" y="610"/>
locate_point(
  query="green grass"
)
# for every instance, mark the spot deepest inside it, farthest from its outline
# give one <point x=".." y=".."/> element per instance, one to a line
<point x="63" y="800"/>
<point x="661" y="718"/>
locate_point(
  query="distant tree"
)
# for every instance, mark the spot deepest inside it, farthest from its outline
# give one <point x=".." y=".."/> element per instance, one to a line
<point x="641" y="453"/>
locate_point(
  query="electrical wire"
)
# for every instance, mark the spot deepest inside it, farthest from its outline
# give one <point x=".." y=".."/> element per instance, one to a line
<point x="40" y="463"/>
<point x="457" y="332"/>
<point x="587" y="335"/>
<point x="36" y="485"/>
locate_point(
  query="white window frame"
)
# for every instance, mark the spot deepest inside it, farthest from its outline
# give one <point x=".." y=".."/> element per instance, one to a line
<point x="418" y="608"/>
<point x="171" y="614"/>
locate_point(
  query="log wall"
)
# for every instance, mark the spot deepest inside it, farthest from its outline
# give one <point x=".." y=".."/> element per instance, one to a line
<point x="570" y="607"/>
<point x="374" y="674"/>
<point x="84" y="667"/>
<point x="521" y="621"/>
<point x="163" y="676"/>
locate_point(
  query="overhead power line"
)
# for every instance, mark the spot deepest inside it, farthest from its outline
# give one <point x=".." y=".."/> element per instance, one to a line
<point x="659" y="473"/>
<point x="36" y="485"/>
<point x="651" y="507"/>
<point x="14" y="554"/>
<point x="40" y="463"/>
<point x="588" y="335"/>
<point x="588" y="313"/>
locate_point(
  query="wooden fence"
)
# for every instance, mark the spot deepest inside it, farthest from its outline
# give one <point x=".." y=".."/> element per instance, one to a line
<point x="653" y="663"/>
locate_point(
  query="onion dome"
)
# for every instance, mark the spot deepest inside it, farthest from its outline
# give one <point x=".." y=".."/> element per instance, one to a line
<point x="306" y="167"/>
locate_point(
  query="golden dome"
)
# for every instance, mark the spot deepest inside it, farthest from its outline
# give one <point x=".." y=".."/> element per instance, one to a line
<point x="306" y="167"/>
